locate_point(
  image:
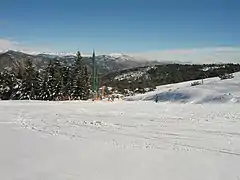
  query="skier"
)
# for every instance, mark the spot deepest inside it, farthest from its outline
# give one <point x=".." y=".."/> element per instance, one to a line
<point x="156" y="98"/>
<point x="112" y="98"/>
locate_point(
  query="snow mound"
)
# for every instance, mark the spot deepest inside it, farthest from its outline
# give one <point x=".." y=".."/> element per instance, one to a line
<point x="213" y="90"/>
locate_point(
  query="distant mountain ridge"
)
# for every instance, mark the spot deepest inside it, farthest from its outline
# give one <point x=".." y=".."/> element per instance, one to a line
<point x="106" y="63"/>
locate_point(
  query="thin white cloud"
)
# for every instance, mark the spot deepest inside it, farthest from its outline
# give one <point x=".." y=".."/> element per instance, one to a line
<point x="6" y="44"/>
<point x="198" y="55"/>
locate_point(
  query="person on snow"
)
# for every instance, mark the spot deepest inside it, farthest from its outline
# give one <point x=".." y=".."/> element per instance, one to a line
<point x="156" y="98"/>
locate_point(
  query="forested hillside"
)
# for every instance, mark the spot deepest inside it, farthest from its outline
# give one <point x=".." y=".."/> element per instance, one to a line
<point x="147" y="78"/>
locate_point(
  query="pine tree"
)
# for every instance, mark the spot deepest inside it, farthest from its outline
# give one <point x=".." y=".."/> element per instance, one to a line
<point x="44" y="91"/>
<point x="77" y="78"/>
<point x="9" y="85"/>
<point x="87" y="85"/>
<point x="66" y="80"/>
<point x="52" y="81"/>
<point x="3" y="86"/>
<point x="30" y="82"/>
<point x="58" y="80"/>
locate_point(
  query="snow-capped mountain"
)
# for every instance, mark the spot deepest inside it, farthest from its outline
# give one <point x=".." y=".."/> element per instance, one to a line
<point x="122" y="57"/>
<point x="106" y="63"/>
<point x="56" y="54"/>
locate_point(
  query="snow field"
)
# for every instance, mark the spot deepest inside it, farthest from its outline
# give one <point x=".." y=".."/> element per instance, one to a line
<point x="120" y="140"/>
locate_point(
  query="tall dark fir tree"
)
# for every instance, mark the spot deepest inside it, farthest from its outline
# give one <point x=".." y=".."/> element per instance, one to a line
<point x="66" y="81"/>
<point x="77" y="89"/>
<point x="51" y="86"/>
<point x="87" y="84"/>
<point x="9" y="85"/>
<point x="30" y="82"/>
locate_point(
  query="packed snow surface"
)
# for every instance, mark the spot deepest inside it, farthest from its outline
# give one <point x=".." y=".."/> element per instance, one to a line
<point x="121" y="140"/>
<point x="124" y="140"/>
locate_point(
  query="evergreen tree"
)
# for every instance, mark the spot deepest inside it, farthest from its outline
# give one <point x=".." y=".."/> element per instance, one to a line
<point x="4" y="88"/>
<point x="51" y="87"/>
<point x="66" y="81"/>
<point x="44" y="91"/>
<point x="87" y="85"/>
<point x="58" y="80"/>
<point x="9" y="85"/>
<point x="77" y="78"/>
<point x="30" y="82"/>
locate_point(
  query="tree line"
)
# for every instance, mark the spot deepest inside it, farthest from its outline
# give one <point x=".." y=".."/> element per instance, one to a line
<point x="166" y="74"/>
<point x="57" y="81"/>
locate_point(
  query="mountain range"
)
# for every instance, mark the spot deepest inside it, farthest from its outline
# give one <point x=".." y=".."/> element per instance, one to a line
<point x="13" y="60"/>
<point x="122" y="72"/>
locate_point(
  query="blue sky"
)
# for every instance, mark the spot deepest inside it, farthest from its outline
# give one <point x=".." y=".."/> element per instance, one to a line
<point x="120" y="26"/>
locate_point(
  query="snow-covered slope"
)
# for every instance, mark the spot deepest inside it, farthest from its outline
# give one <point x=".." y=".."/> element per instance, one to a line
<point x="126" y="140"/>
<point x="136" y="140"/>
<point x="213" y="90"/>
<point x="133" y="75"/>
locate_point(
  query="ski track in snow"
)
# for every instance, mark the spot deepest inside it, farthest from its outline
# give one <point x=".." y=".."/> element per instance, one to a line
<point x="179" y="129"/>
<point x="197" y="137"/>
<point x="185" y="128"/>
